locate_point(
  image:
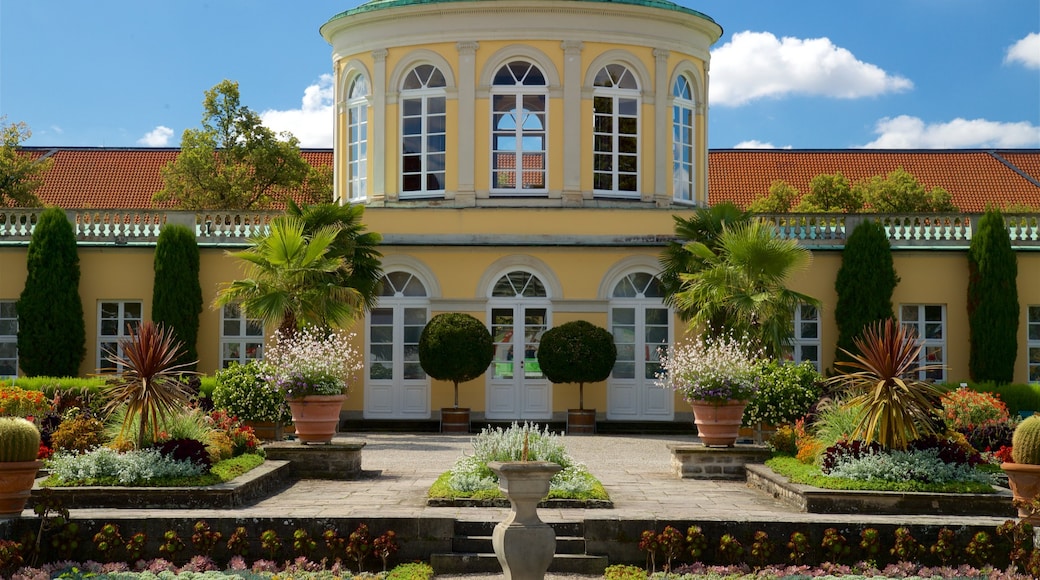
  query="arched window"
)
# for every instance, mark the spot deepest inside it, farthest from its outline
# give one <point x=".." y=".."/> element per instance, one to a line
<point x="357" y="138"/>
<point x="519" y="97"/>
<point x="683" y="139"/>
<point x="616" y="105"/>
<point x="423" y="124"/>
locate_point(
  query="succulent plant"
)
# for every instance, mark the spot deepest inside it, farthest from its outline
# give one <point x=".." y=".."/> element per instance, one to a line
<point x="19" y="439"/>
<point x="1025" y="443"/>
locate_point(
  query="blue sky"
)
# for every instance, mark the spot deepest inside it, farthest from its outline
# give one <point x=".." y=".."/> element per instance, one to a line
<point x="805" y="75"/>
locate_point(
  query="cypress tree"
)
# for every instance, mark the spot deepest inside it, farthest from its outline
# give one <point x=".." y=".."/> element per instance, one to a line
<point x="51" y="330"/>
<point x="864" y="284"/>
<point x="993" y="308"/>
<point x="177" y="293"/>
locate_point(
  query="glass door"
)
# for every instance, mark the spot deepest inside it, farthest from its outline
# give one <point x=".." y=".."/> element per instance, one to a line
<point x="517" y="389"/>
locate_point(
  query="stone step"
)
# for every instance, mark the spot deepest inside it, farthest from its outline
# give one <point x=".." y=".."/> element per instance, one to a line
<point x="482" y="544"/>
<point x="482" y="528"/>
<point x="474" y="563"/>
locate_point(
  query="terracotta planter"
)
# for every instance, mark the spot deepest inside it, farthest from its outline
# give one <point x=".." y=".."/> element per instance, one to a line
<point x="16" y="481"/>
<point x="455" y="420"/>
<point x="581" y="421"/>
<point x="718" y="424"/>
<point x="316" y="417"/>
<point x="523" y="543"/>
<point x="1024" y="480"/>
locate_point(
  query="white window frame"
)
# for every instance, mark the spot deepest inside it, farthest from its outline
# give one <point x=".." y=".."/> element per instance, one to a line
<point x="246" y="343"/>
<point x="8" y="336"/>
<point x="106" y="339"/>
<point x="930" y="345"/>
<point x="357" y="139"/>
<point x="432" y="90"/>
<point x="805" y="316"/>
<point x="518" y="91"/>
<point x="684" y="140"/>
<point x="616" y="95"/>
<point x="1033" y="343"/>
<point x="395" y="299"/>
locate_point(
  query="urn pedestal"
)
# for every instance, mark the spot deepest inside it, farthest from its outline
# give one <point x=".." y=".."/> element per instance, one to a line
<point x="523" y="543"/>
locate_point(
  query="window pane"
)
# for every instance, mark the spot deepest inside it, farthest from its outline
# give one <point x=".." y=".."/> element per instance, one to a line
<point x="624" y="370"/>
<point x="909" y="313"/>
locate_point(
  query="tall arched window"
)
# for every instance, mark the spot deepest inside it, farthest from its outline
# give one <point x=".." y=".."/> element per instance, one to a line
<point x="357" y="138"/>
<point x="615" y="169"/>
<point x="683" y="139"/>
<point x="518" y="129"/>
<point x="423" y="124"/>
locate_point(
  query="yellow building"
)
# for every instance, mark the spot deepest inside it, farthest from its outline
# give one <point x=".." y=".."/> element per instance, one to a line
<point x="523" y="160"/>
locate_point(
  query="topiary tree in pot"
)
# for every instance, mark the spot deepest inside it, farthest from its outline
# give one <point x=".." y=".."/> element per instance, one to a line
<point x="577" y="352"/>
<point x="455" y="347"/>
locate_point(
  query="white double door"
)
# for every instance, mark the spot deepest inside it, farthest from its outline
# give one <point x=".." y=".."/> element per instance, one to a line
<point x="516" y="387"/>
<point x="641" y="332"/>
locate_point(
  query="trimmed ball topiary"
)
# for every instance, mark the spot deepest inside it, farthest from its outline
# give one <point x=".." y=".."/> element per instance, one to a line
<point x="1025" y="443"/>
<point x="455" y="347"/>
<point x="577" y="352"/>
<point x="19" y="440"/>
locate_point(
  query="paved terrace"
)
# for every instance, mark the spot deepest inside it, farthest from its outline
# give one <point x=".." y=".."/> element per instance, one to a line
<point x="636" y="471"/>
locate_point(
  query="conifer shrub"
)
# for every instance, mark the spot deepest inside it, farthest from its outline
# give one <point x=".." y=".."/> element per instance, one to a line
<point x="51" y="332"/>
<point x="864" y="284"/>
<point x="993" y="309"/>
<point x="177" y="293"/>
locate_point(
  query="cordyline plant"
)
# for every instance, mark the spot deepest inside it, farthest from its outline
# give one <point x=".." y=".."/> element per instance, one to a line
<point x="150" y="384"/>
<point x="896" y="405"/>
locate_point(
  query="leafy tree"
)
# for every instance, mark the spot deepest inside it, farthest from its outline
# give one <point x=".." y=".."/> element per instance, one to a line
<point x="577" y="352"/>
<point x="291" y="280"/>
<point x="317" y="187"/>
<point x="780" y="199"/>
<point x="741" y="288"/>
<point x="993" y="309"/>
<point x="901" y="192"/>
<point x="864" y="284"/>
<point x="51" y="332"/>
<point x="20" y="174"/>
<point x="233" y="161"/>
<point x="455" y="347"/>
<point x="704" y="226"/>
<point x="831" y="193"/>
<point x="177" y="293"/>
<point x="362" y="265"/>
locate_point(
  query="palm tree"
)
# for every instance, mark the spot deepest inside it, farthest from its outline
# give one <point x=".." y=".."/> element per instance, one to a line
<point x="704" y="226"/>
<point x="740" y="286"/>
<point x="294" y="279"/>
<point x="362" y="266"/>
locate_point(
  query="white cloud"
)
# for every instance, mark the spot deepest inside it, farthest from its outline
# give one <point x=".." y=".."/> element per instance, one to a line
<point x="906" y="132"/>
<point x="1025" y="52"/>
<point x="157" y="137"/>
<point x="312" y="123"/>
<point x="756" y="144"/>
<point x="757" y="65"/>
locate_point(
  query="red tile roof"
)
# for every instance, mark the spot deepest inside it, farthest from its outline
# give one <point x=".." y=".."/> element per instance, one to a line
<point x="127" y="178"/>
<point x="974" y="178"/>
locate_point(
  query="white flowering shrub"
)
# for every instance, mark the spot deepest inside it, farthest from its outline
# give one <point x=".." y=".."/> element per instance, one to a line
<point x="923" y="465"/>
<point x="470" y="472"/>
<point x="714" y="370"/>
<point x="787" y="391"/>
<point x="243" y="392"/>
<point x="130" y="468"/>
<point x="312" y="362"/>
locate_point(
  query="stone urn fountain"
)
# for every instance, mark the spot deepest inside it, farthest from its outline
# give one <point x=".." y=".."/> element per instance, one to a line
<point x="523" y="543"/>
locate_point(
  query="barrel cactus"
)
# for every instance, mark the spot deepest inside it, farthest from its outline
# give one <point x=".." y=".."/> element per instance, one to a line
<point x="1025" y="443"/>
<point x="19" y="439"/>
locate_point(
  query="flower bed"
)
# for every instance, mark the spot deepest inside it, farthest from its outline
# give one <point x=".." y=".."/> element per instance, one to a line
<point x="471" y="482"/>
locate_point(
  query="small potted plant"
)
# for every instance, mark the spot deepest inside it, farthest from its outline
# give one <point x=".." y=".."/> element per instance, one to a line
<point x="313" y="369"/>
<point x="1024" y="470"/>
<point x="577" y="352"/>
<point x="242" y="392"/>
<point x="455" y="347"/>
<point x="19" y="447"/>
<point x="717" y="377"/>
